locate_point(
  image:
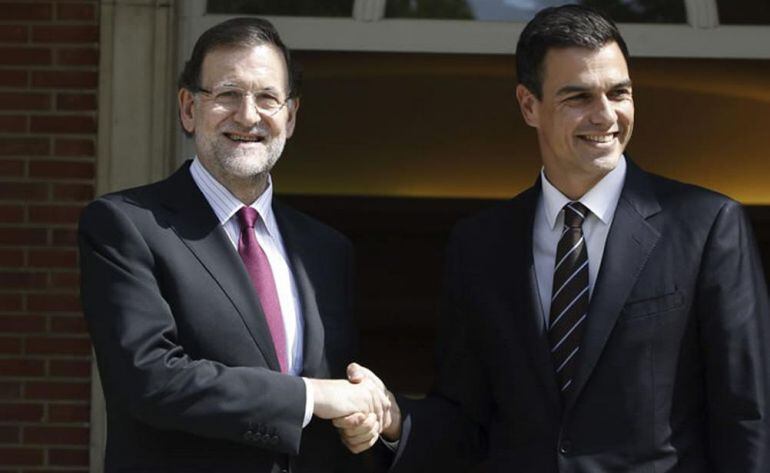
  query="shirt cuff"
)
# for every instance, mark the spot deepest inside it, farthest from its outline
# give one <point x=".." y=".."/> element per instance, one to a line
<point x="393" y="446"/>
<point x="309" y="403"/>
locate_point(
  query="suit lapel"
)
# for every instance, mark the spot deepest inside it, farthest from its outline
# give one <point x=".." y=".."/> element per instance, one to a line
<point x="527" y="299"/>
<point x="630" y="241"/>
<point x="196" y="225"/>
<point x="313" y="336"/>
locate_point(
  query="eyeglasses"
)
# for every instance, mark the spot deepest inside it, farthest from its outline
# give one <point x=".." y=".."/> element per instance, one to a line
<point x="231" y="98"/>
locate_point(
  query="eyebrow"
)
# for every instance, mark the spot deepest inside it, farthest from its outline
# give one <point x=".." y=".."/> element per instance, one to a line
<point x="569" y="89"/>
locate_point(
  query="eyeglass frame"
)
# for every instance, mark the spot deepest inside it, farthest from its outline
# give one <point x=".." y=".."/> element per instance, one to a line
<point x="199" y="89"/>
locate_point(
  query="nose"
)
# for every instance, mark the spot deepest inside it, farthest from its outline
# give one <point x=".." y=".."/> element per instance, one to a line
<point x="247" y="113"/>
<point x="603" y="112"/>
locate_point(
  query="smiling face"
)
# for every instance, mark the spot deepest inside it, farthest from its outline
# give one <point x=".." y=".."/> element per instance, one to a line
<point x="236" y="142"/>
<point x="585" y="117"/>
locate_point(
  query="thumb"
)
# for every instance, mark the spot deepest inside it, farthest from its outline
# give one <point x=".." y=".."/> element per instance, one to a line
<point x="356" y="373"/>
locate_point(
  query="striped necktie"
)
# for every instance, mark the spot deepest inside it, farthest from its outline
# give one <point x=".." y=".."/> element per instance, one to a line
<point x="569" y="300"/>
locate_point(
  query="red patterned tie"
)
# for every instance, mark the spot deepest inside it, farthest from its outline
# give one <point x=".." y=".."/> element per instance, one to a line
<point x="258" y="267"/>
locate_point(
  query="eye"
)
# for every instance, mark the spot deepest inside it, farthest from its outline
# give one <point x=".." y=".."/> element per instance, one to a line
<point x="578" y="98"/>
<point x="619" y="94"/>
<point x="229" y="95"/>
<point x="268" y="101"/>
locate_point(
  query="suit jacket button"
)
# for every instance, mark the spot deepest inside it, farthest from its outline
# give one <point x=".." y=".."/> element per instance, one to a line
<point x="565" y="447"/>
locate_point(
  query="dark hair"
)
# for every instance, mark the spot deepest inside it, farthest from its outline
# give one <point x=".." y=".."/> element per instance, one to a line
<point x="243" y="32"/>
<point x="561" y="27"/>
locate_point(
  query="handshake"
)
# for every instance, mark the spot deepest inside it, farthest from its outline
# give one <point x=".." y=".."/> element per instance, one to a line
<point x="360" y="407"/>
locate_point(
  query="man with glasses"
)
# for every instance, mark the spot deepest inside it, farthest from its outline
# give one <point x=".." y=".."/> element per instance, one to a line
<point x="604" y="320"/>
<point x="217" y="313"/>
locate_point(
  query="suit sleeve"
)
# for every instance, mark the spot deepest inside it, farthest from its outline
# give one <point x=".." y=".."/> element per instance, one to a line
<point x="735" y="339"/>
<point x="446" y="431"/>
<point x="147" y="371"/>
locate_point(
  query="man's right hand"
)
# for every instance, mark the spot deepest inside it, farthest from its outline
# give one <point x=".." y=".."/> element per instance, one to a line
<point x="359" y="431"/>
<point x="335" y="398"/>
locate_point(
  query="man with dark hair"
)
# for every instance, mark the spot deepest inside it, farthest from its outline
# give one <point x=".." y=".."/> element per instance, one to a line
<point x="218" y="314"/>
<point x="604" y="320"/>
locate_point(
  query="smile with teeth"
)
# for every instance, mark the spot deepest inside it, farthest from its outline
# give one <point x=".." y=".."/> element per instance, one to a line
<point x="599" y="138"/>
<point x="244" y="138"/>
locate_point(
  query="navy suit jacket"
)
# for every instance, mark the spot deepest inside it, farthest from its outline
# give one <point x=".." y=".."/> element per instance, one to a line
<point x="190" y="375"/>
<point x="673" y="374"/>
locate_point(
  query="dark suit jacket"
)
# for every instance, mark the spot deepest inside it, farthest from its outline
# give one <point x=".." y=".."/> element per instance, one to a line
<point x="674" y="370"/>
<point x="184" y="353"/>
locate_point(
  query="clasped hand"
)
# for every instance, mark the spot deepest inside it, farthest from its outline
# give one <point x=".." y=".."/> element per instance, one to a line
<point x="360" y="407"/>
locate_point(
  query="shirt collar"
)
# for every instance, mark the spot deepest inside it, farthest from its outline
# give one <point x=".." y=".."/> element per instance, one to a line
<point x="224" y="204"/>
<point x="601" y="199"/>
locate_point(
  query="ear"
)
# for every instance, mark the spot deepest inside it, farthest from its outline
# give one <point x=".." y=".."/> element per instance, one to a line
<point x="186" y="103"/>
<point x="529" y="105"/>
<point x="292" y="106"/>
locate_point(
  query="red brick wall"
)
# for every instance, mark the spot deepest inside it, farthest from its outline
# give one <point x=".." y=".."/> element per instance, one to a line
<point x="48" y="79"/>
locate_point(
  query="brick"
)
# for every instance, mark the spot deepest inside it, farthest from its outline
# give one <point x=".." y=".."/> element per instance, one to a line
<point x="10" y="302"/>
<point x="10" y="345"/>
<point x="25" y="56"/>
<point x="63" y="79"/>
<point x="70" y="368"/>
<point x="73" y="192"/>
<point x="21" y="412"/>
<point x="74" y="147"/>
<point x="23" y="191"/>
<point x="53" y="302"/>
<point x="54" y="213"/>
<point x="51" y="390"/>
<point x="61" y="169"/>
<point x="11" y="258"/>
<point x="65" y="34"/>
<point x="55" y="435"/>
<point x="22" y="368"/>
<point x="13" y="33"/>
<point x="22" y="323"/>
<point x="23" y="236"/>
<point x="77" y="57"/>
<point x="64" y="237"/>
<point x="9" y="434"/>
<point x="11" y="214"/>
<point x="69" y="324"/>
<point x="68" y="457"/>
<point x="63" y="124"/>
<point x="13" y="78"/>
<point x="13" y="123"/>
<point x="21" y="456"/>
<point x="11" y="168"/>
<point x="24" y="101"/>
<point x="22" y="280"/>
<point x="48" y="258"/>
<point x="69" y="413"/>
<point x="27" y="11"/>
<point x="23" y="147"/>
<point x="65" y="280"/>
<point x="75" y="11"/>
<point x="10" y="390"/>
<point x="76" y="102"/>
<point x="58" y="346"/>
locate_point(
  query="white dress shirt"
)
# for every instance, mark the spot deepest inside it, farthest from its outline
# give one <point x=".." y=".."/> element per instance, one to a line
<point x="225" y="206"/>
<point x="601" y="201"/>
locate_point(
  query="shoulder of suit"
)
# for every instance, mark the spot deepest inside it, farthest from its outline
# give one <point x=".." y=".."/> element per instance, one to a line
<point x="308" y="224"/>
<point x="690" y="198"/>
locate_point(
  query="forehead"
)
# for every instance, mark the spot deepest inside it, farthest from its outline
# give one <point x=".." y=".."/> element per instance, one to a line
<point x="584" y="67"/>
<point x="261" y="66"/>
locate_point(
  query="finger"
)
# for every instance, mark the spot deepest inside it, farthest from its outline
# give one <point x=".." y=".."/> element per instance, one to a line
<point x="388" y="413"/>
<point x="356" y="373"/>
<point x="362" y="446"/>
<point x="367" y="425"/>
<point x="350" y="421"/>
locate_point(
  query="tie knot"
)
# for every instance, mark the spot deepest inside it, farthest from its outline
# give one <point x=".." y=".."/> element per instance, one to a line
<point x="574" y="214"/>
<point x="247" y="217"/>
